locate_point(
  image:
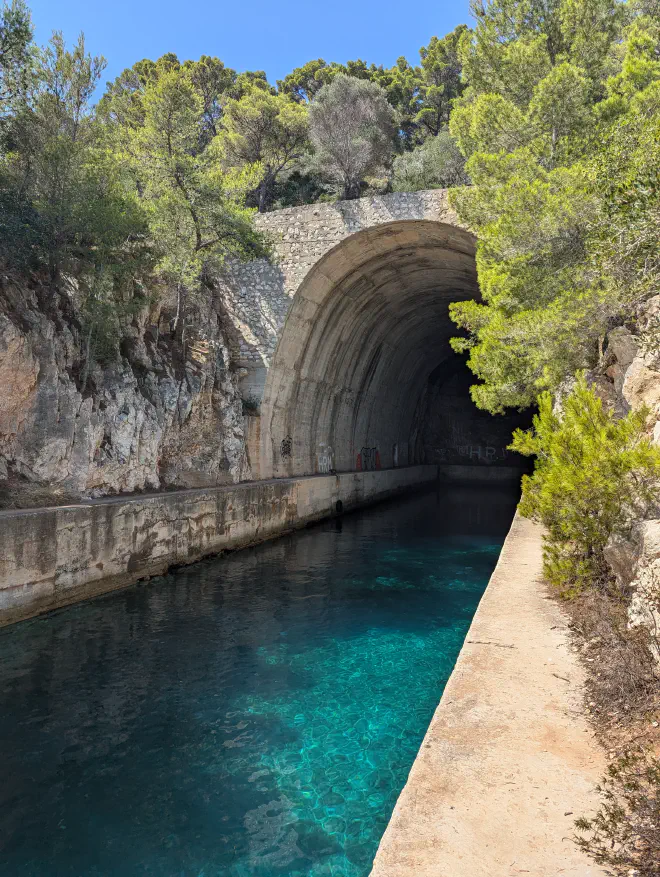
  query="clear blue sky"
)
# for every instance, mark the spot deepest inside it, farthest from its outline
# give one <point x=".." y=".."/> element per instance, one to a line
<point x="270" y="35"/>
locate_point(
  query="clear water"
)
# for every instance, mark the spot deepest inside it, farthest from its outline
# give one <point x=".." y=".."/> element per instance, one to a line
<point x="254" y="715"/>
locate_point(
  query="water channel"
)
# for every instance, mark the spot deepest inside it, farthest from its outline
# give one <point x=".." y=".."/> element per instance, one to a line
<point x="250" y="716"/>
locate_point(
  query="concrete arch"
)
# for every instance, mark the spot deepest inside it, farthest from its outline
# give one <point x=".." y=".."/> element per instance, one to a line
<point x="366" y="327"/>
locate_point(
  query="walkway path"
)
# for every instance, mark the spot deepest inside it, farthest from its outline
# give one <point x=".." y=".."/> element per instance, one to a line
<point x="509" y="761"/>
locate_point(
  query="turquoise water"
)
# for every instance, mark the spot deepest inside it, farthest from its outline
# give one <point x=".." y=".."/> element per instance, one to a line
<point x="254" y="715"/>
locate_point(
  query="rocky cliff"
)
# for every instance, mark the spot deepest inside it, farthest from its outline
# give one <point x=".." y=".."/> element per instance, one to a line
<point x="162" y="412"/>
<point x="628" y="378"/>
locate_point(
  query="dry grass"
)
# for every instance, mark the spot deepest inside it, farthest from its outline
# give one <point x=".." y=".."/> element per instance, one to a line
<point x="623" y="702"/>
<point x="623" y="681"/>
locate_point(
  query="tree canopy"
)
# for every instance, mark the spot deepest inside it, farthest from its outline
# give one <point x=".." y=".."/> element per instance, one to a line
<point x="265" y="131"/>
<point x="351" y="127"/>
<point x="559" y="124"/>
<point x="543" y="119"/>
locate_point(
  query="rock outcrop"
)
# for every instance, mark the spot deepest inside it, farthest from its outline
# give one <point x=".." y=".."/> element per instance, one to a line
<point x="161" y="414"/>
<point x="627" y="379"/>
<point x="635" y="562"/>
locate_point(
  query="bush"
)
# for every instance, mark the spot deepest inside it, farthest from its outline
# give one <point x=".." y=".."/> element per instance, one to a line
<point x="436" y="164"/>
<point x="625" y="832"/>
<point x="593" y="474"/>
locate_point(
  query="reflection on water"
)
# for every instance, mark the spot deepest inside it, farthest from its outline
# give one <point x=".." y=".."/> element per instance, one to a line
<point x="251" y="715"/>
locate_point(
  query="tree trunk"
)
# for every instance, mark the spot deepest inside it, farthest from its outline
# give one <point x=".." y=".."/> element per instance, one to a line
<point x="266" y="192"/>
<point x="179" y="304"/>
<point x="351" y="190"/>
<point x="262" y="197"/>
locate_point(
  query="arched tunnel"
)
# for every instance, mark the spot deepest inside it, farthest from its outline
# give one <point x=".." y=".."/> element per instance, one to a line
<point x="364" y="354"/>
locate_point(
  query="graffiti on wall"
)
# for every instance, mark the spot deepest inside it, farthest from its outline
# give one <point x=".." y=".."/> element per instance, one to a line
<point x="474" y="453"/>
<point x="325" y="459"/>
<point x="286" y="446"/>
<point x="482" y="454"/>
<point x="368" y="460"/>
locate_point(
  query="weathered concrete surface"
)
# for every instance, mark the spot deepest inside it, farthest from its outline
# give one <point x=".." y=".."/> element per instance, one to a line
<point x="339" y="332"/>
<point x="467" y="474"/>
<point x="55" y="556"/>
<point x="508" y="762"/>
<point x="367" y="326"/>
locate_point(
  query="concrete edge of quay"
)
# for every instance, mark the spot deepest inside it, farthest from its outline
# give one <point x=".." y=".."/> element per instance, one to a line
<point x="53" y="557"/>
<point x="509" y="760"/>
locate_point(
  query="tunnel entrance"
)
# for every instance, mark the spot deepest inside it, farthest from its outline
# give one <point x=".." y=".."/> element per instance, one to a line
<point x="363" y="376"/>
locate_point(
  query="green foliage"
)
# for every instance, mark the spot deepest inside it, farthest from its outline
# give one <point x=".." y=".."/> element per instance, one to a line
<point x="299" y="187"/>
<point x="624" y="834"/>
<point x="118" y="197"/>
<point x="490" y="124"/>
<point x="194" y="208"/>
<point x="15" y="53"/>
<point x="593" y="474"/>
<point x="437" y="163"/>
<point x="66" y="204"/>
<point x="267" y="132"/>
<point x="440" y="80"/>
<point x="352" y="129"/>
<point x="516" y="43"/>
<point x="564" y="201"/>
<point x="625" y="237"/>
<point x="305" y="82"/>
<point x="421" y="96"/>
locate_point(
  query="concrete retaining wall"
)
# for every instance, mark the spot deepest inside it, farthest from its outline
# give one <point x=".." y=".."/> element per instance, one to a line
<point x="55" y="556"/>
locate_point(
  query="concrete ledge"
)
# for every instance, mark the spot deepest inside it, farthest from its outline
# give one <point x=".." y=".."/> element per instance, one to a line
<point x="508" y="761"/>
<point x="55" y="556"/>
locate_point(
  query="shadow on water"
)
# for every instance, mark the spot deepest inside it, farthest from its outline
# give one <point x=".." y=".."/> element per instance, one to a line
<point x="255" y="714"/>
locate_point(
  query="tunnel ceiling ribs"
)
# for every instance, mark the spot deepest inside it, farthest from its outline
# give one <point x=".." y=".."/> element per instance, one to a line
<point x="367" y="327"/>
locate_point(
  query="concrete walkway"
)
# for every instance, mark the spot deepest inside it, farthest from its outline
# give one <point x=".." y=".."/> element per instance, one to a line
<point x="509" y="761"/>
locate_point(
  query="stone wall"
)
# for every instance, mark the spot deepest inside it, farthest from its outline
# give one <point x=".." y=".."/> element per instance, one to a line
<point x="258" y="294"/>
<point x="56" y="556"/>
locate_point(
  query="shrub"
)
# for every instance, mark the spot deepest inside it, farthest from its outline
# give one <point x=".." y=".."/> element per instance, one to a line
<point x="625" y="832"/>
<point x="436" y="164"/>
<point x="593" y="474"/>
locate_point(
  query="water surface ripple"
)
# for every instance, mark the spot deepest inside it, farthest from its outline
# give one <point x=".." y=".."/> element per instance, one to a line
<point x="255" y="715"/>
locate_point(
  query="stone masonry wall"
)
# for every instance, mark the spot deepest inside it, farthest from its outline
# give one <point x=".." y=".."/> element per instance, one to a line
<point x="258" y="295"/>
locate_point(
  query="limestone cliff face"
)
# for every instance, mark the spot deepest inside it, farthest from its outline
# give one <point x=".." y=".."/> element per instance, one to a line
<point x="163" y="414"/>
<point x="628" y="378"/>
